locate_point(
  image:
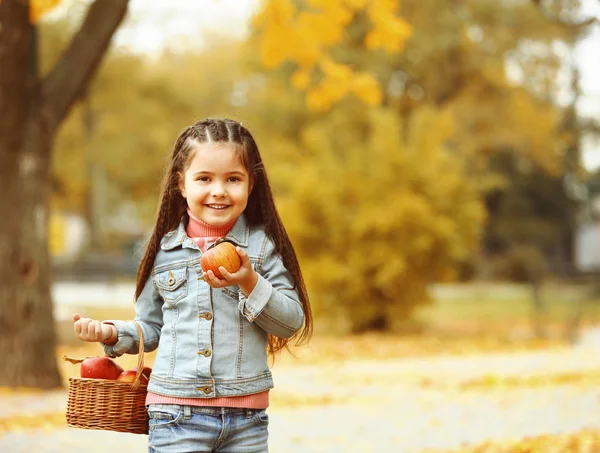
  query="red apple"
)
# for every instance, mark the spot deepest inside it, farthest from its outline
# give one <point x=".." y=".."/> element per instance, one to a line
<point x="100" y="368"/>
<point x="223" y="254"/>
<point x="147" y="371"/>
<point x="129" y="376"/>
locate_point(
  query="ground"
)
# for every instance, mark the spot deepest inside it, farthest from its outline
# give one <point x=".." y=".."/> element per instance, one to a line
<point x="380" y="394"/>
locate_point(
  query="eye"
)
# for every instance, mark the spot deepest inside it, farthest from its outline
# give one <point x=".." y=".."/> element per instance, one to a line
<point x="234" y="179"/>
<point x="203" y="178"/>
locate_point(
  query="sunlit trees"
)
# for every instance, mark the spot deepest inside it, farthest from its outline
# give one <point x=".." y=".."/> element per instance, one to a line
<point x="376" y="216"/>
<point x="311" y="34"/>
<point x="492" y="68"/>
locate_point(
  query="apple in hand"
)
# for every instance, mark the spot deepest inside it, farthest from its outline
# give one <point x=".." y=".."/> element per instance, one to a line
<point x="100" y="368"/>
<point x="223" y="254"/>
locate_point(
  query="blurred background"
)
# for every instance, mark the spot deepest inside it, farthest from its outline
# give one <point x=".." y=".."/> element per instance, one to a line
<point x="436" y="164"/>
<point x="456" y="166"/>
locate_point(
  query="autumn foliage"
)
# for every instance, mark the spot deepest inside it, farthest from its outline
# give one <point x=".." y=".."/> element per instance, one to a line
<point x="312" y="32"/>
<point x="385" y="134"/>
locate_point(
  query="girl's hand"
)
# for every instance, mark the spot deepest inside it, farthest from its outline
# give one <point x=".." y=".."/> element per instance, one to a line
<point x="88" y="329"/>
<point x="245" y="276"/>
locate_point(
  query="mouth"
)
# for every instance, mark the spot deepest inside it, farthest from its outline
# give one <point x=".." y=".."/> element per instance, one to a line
<point x="218" y="207"/>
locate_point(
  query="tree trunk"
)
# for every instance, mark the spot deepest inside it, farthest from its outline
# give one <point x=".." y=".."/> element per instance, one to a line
<point x="31" y="111"/>
<point x="26" y="322"/>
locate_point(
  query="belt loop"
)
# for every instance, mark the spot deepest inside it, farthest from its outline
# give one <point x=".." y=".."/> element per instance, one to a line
<point x="248" y="413"/>
<point x="187" y="412"/>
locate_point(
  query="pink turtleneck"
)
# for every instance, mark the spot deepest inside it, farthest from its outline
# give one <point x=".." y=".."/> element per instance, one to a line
<point x="204" y="234"/>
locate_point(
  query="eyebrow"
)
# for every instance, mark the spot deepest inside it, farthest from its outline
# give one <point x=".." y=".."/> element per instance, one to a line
<point x="206" y="172"/>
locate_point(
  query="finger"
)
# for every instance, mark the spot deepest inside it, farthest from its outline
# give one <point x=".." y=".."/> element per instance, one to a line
<point x="98" y="331"/>
<point x="209" y="277"/>
<point x="225" y="273"/>
<point x="91" y="328"/>
<point x="76" y="317"/>
<point x="77" y="328"/>
<point x="215" y="281"/>
<point x="81" y="326"/>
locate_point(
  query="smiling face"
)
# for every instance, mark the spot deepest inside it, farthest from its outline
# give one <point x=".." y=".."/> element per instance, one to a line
<point x="215" y="184"/>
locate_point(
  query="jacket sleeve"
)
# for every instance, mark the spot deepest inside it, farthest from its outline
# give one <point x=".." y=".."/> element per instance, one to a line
<point x="274" y="304"/>
<point x="148" y="314"/>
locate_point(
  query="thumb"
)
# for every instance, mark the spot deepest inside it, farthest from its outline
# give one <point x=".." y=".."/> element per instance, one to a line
<point x="76" y="317"/>
<point x="243" y="256"/>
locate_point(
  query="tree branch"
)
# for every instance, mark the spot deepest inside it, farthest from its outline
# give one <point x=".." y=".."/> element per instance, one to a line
<point x="571" y="25"/>
<point x="73" y="72"/>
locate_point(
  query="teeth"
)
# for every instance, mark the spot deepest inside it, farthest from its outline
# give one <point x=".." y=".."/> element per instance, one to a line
<point x="217" y="206"/>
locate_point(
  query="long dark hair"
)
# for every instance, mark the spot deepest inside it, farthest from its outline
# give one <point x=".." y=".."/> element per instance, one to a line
<point x="260" y="210"/>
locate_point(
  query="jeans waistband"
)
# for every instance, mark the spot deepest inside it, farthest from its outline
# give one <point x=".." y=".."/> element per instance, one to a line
<point x="213" y="410"/>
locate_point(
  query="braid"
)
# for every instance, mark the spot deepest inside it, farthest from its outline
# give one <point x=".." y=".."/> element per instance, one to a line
<point x="170" y="210"/>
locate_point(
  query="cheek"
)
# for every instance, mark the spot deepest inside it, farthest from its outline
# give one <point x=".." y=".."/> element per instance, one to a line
<point x="243" y="196"/>
<point x="195" y="190"/>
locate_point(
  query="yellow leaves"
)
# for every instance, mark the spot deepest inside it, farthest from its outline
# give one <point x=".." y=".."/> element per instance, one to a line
<point x="389" y="32"/>
<point x="491" y="381"/>
<point x="45" y="421"/>
<point x="338" y="81"/>
<point x="301" y="79"/>
<point x="38" y="8"/>
<point x="586" y="441"/>
<point x="317" y="27"/>
<point x="367" y="88"/>
<point x="276" y="13"/>
<point x="383" y="215"/>
<point x="307" y="38"/>
<point x="357" y="5"/>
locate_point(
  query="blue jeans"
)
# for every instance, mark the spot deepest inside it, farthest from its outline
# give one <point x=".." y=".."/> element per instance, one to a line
<point x="187" y="429"/>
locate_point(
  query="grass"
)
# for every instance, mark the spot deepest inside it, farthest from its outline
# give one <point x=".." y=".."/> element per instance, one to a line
<point x="507" y="309"/>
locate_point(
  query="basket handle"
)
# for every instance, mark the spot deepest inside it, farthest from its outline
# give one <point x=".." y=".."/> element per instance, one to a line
<point x="140" y="365"/>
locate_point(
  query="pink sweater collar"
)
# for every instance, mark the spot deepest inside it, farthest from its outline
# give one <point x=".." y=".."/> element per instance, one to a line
<point x="196" y="228"/>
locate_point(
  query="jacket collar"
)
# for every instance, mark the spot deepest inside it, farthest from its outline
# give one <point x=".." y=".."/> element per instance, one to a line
<point x="239" y="234"/>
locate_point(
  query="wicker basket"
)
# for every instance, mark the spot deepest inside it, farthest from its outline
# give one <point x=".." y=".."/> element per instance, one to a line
<point x="109" y="404"/>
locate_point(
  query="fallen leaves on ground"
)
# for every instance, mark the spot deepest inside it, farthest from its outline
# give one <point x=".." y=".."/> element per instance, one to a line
<point x="44" y="421"/>
<point x="448" y="394"/>
<point x="586" y="441"/>
<point x="493" y="381"/>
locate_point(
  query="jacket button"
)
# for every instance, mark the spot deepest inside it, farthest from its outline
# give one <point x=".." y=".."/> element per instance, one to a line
<point x="207" y="353"/>
<point x="207" y="389"/>
<point x="208" y="316"/>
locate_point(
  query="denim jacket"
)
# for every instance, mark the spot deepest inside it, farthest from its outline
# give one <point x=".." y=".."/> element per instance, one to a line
<point x="211" y="342"/>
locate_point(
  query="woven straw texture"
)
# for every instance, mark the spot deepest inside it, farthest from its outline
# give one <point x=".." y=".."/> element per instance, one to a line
<point x="109" y="404"/>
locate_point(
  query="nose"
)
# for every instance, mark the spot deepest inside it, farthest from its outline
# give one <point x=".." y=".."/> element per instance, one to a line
<point x="218" y="190"/>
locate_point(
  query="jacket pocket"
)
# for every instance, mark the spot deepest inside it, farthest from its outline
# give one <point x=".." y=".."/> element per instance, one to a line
<point x="172" y="284"/>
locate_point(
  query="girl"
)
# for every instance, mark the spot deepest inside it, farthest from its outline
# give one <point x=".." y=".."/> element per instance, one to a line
<point x="210" y="384"/>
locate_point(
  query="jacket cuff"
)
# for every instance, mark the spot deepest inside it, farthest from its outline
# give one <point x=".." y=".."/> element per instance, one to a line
<point x="253" y="305"/>
<point x="125" y="339"/>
